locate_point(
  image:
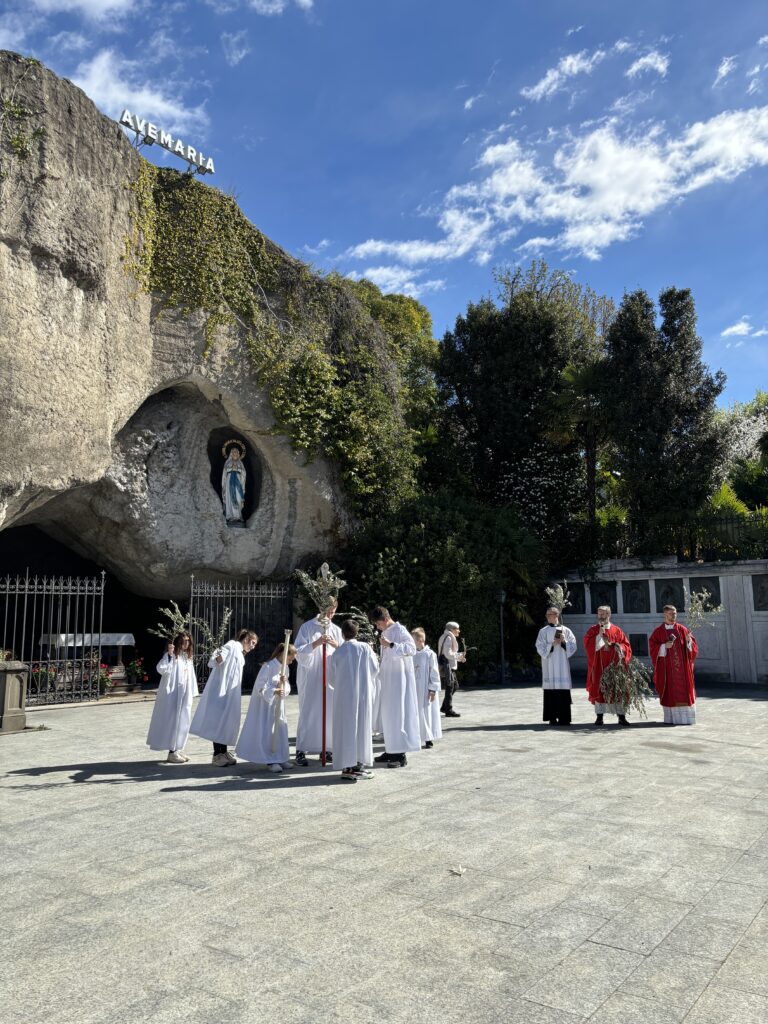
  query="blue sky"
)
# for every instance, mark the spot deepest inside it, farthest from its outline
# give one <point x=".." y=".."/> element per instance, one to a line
<point x="423" y="143"/>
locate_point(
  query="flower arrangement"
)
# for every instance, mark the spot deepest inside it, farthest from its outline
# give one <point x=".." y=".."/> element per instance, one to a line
<point x="135" y="667"/>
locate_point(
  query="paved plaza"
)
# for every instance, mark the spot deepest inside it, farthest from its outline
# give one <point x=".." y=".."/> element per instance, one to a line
<point x="615" y="876"/>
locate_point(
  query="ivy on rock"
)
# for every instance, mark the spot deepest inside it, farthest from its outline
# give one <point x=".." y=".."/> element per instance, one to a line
<point x="336" y="357"/>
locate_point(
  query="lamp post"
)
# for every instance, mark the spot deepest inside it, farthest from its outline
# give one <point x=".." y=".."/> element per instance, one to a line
<point x="502" y="599"/>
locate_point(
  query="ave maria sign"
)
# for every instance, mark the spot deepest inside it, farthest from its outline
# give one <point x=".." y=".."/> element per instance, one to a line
<point x="152" y="134"/>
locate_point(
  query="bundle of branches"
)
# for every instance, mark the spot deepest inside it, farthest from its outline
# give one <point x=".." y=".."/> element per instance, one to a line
<point x="698" y="607"/>
<point x="178" y="622"/>
<point x="558" y="596"/>
<point x="324" y="590"/>
<point x="365" y="631"/>
<point x="629" y="685"/>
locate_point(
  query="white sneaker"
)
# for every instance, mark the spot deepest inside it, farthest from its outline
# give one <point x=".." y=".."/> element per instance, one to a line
<point x="276" y="768"/>
<point x="220" y="760"/>
<point x="288" y="765"/>
<point x="230" y="757"/>
<point x="174" y="757"/>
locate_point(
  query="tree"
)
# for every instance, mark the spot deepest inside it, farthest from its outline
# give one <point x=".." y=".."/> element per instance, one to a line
<point x="660" y="403"/>
<point x="499" y="370"/>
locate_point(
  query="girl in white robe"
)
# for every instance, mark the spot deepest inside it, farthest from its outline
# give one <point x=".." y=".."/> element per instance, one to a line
<point x="352" y="671"/>
<point x="172" y="713"/>
<point x="427" y="689"/>
<point x="217" y="717"/>
<point x="264" y="716"/>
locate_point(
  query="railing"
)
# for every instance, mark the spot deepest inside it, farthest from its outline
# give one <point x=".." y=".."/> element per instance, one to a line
<point x="702" y="538"/>
<point x="53" y="625"/>
<point x="266" y="607"/>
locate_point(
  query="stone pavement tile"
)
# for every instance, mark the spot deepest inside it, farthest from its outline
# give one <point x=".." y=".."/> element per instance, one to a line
<point x="526" y="902"/>
<point x="746" y="969"/>
<point x="642" y="924"/>
<point x="750" y="870"/>
<point x="703" y="936"/>
<point x="686" y="884"/>
<point x="551" y="938"/>
<point x="736" y="902"/>
<point x="600" y="900"/>
<point x="585" y="979"/>
<point x="625" y="1009"/>
<point x="728" y="1006"/>
<point x="672" y="978"/>
<point x="467" y="895"/>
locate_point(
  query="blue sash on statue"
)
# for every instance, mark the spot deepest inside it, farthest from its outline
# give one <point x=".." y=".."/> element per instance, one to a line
<point x="236" y="494"/>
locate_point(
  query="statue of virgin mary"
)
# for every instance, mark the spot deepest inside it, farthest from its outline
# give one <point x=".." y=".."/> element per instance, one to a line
<point x="233" y="482"/>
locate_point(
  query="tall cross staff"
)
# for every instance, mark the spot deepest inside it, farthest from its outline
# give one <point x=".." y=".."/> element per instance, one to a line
<point x="324" y="591"/>
<point x="279" y="704"/>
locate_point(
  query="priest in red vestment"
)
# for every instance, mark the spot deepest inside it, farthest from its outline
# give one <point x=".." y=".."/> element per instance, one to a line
<point x="673" y="650"/>
<point x="604" y="644"/>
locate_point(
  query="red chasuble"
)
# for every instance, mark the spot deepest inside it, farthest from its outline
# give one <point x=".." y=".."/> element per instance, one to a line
<point x="598" y="661"/>
<point x="673" y="673"/>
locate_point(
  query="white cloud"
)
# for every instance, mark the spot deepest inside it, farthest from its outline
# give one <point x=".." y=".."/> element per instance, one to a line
<point x="573" y="64"/>
<point x="595" y="189"/>
<point x="762" y="41"/>
<point x="74" y="41"/>
<point x="468" y="104"/>
<point x="741" y="327"/>
<point x="13" y="31"/>
<point x="400" y="280"/>
<point x="653" y="61"/>
<point x="235" y="46"/>
<point x="113" y="82"/>
<point x="271" y="7"/>
<point x="726" y="67"/>
<point x="761" y="333"/>
<point x="574" y="30"/>
<point x="316" y="250"/>
<point x="94" y="9"/>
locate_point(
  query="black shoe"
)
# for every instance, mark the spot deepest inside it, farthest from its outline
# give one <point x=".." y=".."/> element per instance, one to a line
<point x="328" y="756"/>
<point x="623" y="721"/>
<point x="384" y="758"/>
<point x="428" y="745"/>
<point x="397" y="761"/>
<point x="301" y="759"/>
<point x="452" y="714"/>
<point x="599" y="720"/>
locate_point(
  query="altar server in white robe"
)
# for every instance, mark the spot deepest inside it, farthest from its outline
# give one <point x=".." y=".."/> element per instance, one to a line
<point x="172" y="713"/>
<point x="555" y="645"/>
<point x="399" y="704"/>
<point x="352" y="672"/>
<point x="264" y="717"/>
<point x="217" y="716"/>
<point x="427" y="689"/>
<point x="309" y="683"/>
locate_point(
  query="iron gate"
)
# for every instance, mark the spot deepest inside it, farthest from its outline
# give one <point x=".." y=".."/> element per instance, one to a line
<point x="266" y="607"/>
<point x="53" y="625"/>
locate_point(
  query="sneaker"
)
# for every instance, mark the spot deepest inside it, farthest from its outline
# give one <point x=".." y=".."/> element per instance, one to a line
<point x="220" y="760"/>
<point x="397" y="761"/>
<point x="301" y="759"/>
<point x="174" y="757"/>
<point x="428" y="745"/>
<point x="362" y="773"/>
<point x="382" y="758"/>
<point x="452" y="714"/>
<point x="230" y="757"/>
<point x="287" y="765"/>
<point x="328" y="756"/>
<point x="276" y="769"/>
<point x="349" y="776"/>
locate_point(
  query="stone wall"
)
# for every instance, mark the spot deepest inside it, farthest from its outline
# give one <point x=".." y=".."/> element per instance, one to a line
<point x="107" y="408"/>
<point x="734" y="648"/>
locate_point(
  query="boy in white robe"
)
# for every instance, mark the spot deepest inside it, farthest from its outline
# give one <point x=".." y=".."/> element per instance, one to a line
<point x="555" y="645"/>
<point x="352" y="672"/>
<point x="427" y="688"/>
<point x="309" y="683"/>
<point x="399" y="705"/>
<point x="264" y="736"/>
<point x="172" y="713"/>
<point x="217" y="717"/>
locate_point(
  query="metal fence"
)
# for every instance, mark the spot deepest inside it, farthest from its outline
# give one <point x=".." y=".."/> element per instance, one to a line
<point x="699" y="539"/>
<point x="53" y="625"/>
<point x="266" y="607"/>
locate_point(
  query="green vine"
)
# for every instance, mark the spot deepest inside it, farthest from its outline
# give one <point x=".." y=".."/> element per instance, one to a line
<point x="329" y="363"/>
<point x="21" y="135"/>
